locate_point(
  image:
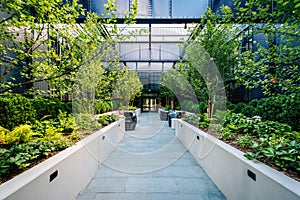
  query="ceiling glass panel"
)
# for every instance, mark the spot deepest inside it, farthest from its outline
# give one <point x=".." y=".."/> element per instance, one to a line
<point x="160" y="8"/>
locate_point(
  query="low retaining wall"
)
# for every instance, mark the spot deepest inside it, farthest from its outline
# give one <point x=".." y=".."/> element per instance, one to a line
<point x="236" y="176"/>
<point x="64" y="175"/>
<point x="138" y="112"/>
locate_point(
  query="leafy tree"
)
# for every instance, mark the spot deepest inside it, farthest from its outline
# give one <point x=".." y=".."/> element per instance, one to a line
<point x="42" y="42"/>
<point x="29" y="32"/>
<point x="175" y="86"/>
<point x="127" y="87"/>
<point x="99" y="57"/>
<point x="273" y="62"/>
<point x="210" y="56"/>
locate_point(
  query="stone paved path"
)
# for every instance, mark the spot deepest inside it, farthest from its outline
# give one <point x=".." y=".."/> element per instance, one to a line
<point x="150" y="163"/>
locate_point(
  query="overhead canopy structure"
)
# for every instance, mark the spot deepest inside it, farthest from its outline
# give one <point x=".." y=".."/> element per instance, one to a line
<point x="156" y="11"/>
<point x="166" y="25"/>
<point x="155" y="50"/>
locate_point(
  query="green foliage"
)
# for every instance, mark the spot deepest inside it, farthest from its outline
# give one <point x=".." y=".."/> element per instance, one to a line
<point x="211" y="53"/>
<point x="244" y="141"/>
<point x="20" y="134"/>
<point x="34" y="63"/>
<point x="102" y="106"/>
<point x="167" y="107"/>
<point x="16" y="110"/>
<point x="284" y="109"/>
<point x="66" y="122"/>
<point x="128" y="107"/>
<point x="86" y="122"/>
<point x="190" y="106"/>
<point x="105" y="120"/>
<point x="273" y="65"/>
<point x="174" y="85"/>
<point x="3" y="134"/>
<point x="127" y="87"/>
<point x="192" y="119"/>
<point x="56" y="138"/>
<point x="21" y="156"/>
<point x="216" y="127"/>
<point x="226" y="134"/>
<point x="201" y="120"/>
<point x="267" y="139"/>
<point x="283" y="149"/>
<point x="204" y="120"/>
<point x="50" y="107"/>
<point x="253" y="125"/>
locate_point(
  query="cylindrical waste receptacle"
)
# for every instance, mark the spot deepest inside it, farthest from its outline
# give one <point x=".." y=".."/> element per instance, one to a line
<point x="171" y="116"/>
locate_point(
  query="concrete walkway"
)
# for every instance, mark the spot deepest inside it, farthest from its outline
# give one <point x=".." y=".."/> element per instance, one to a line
<point x="150" y="163"/>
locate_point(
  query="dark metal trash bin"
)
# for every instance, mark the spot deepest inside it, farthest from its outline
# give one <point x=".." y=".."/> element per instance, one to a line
<point x="163" y="115"/>
<point x="130" y="120"/>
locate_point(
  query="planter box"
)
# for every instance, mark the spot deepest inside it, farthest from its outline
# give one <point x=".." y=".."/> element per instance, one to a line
<point x="138" y="112"/>
<point x="236" y="176"/>
<point x="64" y="175"/>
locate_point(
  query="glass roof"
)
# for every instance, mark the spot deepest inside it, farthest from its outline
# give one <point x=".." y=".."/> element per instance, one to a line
<point x="155" y="49"/>
<point x="155" y="8"/>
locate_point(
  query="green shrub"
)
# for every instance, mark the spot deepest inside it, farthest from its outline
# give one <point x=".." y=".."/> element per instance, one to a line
<point x="16" y="110"/>
<point x="280" y="108"/>
<point x="167" y="107"/>
<point x="204" y="120"/>
<point x="105" y="120"/>
<point x="226" y="134"/>
<point x="86" y="122"/>
<point x="66" y="122"/>
<point x="20" y="156"/>
<point x="128" y="108"/>
<point x="192" y="119"/>
<point x="50" y="107"/>
<point x="270" y="140"/>
<point x="56" y="138"/>
<point x="20" y="134"/>
<point x="102" y="106"/>
<point x="244" y="141"/>
<point x="3" y="134"/>
<point x="283" y="149"/>
<point x="202" y="107"/>
<point x="194" y="107"/>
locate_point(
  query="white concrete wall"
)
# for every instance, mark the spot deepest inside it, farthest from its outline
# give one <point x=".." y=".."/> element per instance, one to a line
<point x="138" y="112"/>
<point x="75" y="166"/>
<point x="228" y="168"/>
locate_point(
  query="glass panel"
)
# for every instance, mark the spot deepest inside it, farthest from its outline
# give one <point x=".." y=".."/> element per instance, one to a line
<point x="155" y="52"/>
<point x="144" y="51"/>
<point x="169" y="51"/>
<point x="188" y="8"/>
<point x="160" y="8"/>
<point x="97" y="6"/>
<point x="131" y="65"/>
<point x="129" y="51"/>
<point x="167" y="66"/>
<point x="143" y="8"/>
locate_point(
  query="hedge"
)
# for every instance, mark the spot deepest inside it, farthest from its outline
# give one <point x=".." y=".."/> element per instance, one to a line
<point x="280" y="108"/>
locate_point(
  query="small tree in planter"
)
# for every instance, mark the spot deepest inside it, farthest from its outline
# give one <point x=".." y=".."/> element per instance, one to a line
<point x="127" y="87"/>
